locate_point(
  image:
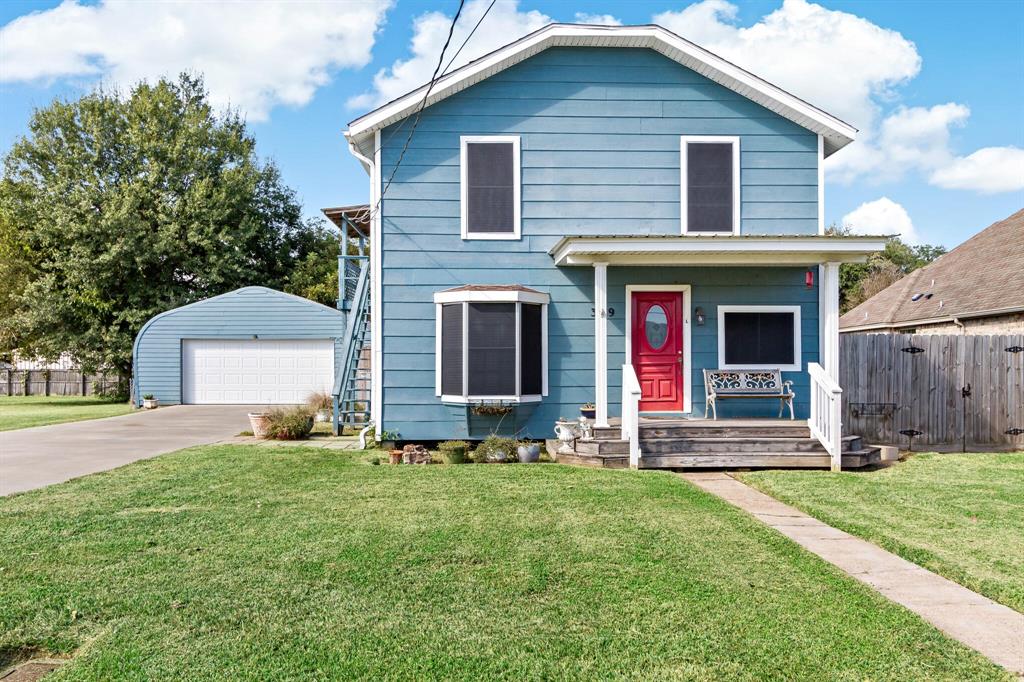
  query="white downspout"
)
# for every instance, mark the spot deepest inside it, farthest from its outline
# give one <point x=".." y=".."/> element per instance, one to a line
<point x="372" y="167"/>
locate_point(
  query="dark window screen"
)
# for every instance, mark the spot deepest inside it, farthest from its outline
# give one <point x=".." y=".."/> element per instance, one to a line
<point x="491" y="187"/>
<point x="759" y="339"/>
<point x="709" y="187"/>
<point x="531" y="342"/>
<point x="492" y="349"/>
<point x="451" y="349"/>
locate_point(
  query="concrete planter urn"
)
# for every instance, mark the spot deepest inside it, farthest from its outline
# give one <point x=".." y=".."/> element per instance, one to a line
<point x="150" y="403"/>
<point x="260" y="423"/>
<point x="529" y="453"/>
<point x="565" y="431"/>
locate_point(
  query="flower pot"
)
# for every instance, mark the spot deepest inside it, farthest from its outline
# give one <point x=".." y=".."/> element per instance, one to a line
<point x="496" y="457"/>
<point x="260" y="422"/>
<point x="530" y="453"/>
<point x="395" y="456"/>
<point x="589" y="414"/>
<point x="454" y="456"/>
<point x="150" y="403"/>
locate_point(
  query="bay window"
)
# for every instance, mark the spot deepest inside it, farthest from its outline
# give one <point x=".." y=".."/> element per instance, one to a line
<point x="491" y="344"/>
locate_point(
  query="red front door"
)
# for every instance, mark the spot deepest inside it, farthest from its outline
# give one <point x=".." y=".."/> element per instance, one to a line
<point x="657" y="349"/>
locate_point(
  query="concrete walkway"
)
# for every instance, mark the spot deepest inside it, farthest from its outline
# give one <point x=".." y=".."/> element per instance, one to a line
<point x="994" y="630"/>
<point x="40" y="456"/>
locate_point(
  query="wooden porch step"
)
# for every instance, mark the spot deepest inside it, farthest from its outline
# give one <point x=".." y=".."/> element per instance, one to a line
<point x="602" y="447"/>
<point x="739" y="445"/>
<point x="721" y="430"/>
<point x="771" y="460"/>
<point x="597" y="461"/>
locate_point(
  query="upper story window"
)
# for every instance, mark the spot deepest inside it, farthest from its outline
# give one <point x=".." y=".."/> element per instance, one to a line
<point x="491" y="344"/>
<point x="710" y="181"/>
<point x="490" y="180"/>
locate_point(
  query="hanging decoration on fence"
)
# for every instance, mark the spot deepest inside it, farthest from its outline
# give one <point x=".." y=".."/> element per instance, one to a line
<point x="912" y="350"/>
<point x="1015" y="349"/>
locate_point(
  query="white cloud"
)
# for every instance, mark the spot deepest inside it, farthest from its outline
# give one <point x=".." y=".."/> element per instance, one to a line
<point x="882" y="216"/>
<point x="836" y="60"/>
<point x="254" y="55"/>
<point x="597" y="19"/>
<point x="502" y="25"/>
<point x="988" y="170"/>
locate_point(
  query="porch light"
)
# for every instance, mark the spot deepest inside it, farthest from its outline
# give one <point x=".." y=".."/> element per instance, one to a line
<point x="809" y="279"/>
<point x="699" y="314"/>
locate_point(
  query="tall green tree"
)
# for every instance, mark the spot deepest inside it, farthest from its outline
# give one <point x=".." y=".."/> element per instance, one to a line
<point x="860" y="281"/>
<point x="124" y="206"/>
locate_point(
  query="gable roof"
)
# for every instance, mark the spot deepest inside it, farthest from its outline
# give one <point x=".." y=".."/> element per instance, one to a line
<point x="836" y="133"/>
<point x="983" y="276"/>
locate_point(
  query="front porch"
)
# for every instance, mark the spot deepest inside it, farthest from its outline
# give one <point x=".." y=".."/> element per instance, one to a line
<point x="670" y="443"/>
<point x="768" y="304"/>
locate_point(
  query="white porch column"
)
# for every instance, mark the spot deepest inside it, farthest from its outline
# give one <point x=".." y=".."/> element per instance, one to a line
<point x="601" y="343"/>
<point x="830" y="322"/>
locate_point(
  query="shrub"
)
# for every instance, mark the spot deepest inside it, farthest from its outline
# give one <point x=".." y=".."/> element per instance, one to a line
<point x="453" y="451"/>
<point x="495" y="448"/>
<point x="148" y="396"/>
<point x="293" y="423"/>
<point x="320" y="400"/>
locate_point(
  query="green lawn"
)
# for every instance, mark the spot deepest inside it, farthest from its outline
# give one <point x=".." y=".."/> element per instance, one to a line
<point x="961" y="516"/>
<point x="291" y="563"/>
<point x="20" y="412"/>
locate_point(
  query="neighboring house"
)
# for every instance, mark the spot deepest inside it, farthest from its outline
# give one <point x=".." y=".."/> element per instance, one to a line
<point x="977" y="288"/>
<point x="590" y="208"/>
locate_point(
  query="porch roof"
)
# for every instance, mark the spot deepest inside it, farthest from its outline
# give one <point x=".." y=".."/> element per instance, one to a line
<point x="715" y="250"/>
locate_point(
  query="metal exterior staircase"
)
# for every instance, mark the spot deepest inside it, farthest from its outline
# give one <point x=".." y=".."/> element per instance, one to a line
<point x="351" y="394"/>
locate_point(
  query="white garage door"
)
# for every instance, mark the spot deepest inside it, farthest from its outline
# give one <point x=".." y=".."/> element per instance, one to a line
<point x="255" y="371"/>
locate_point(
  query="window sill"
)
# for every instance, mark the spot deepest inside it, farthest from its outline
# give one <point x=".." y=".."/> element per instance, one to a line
<point x="781" y="368"/>
<point x="491" y="236"/>
<point x="484" y="400"/>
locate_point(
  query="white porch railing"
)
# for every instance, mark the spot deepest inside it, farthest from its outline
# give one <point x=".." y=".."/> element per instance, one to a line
<point x="631" y="413"/>
<point x="826" y="413"/>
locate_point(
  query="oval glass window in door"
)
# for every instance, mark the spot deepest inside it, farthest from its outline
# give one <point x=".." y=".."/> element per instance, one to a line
<point x="656" y="327"/>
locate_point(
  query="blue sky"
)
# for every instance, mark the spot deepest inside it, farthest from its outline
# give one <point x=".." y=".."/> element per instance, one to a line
<point x="928" y="83"/>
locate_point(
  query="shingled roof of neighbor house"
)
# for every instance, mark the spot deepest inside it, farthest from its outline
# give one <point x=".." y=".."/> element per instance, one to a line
<point x="983" y="276"/>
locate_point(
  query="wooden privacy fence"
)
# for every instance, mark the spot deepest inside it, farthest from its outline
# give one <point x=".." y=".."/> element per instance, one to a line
<point x="944" y="392"/>
<point x="53" y="382"/>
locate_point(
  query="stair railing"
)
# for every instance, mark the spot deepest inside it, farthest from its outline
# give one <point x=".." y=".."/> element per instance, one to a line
<point x="631" y="413"/>
<point x="349" y="355"/>
<point x="826" y="413"/>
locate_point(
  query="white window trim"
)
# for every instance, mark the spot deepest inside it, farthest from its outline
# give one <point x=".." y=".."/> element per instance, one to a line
<point x="797" y="366"/>
<point x="494" y="296"/>
<point x="685" y="140"/>
<point x="464" y="141"/>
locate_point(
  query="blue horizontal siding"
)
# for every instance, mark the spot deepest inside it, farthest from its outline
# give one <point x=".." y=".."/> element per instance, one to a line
<point x="240" y="314"/>
<point x="599" y="132"/>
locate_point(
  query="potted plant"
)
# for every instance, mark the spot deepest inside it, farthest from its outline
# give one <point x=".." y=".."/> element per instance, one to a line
<point x="322" y="404"/>
<point x="150" y="402"/>
<point x="588" y="410"/>
<point x="260" y="422"/>
<point x="395" y="456"/>
<point x="294" y="423"/>
<point x="453" y="451"/>
<point x="528" y="452"/>
<point x="495" y="450"/>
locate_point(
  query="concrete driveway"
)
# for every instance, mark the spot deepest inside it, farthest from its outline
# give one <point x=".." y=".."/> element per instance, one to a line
<point x="40" y="456"/>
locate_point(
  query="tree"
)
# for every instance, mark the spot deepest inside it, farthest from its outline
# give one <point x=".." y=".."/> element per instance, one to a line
<point x="123" y="207"/>
<point x="316" y="276"/>
<point x="860" y="281"/>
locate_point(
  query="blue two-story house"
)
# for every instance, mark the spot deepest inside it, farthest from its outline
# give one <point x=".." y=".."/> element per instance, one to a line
<point x="596" y="215"/>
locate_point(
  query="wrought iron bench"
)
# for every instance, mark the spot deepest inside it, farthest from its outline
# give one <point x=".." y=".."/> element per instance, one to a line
<point x="720" y="384"/>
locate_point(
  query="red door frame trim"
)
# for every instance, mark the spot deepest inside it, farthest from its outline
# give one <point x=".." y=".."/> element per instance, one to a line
<point x="687" y="344"/>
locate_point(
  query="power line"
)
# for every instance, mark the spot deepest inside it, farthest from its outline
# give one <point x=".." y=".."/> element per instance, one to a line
<point x="423" y="102"/>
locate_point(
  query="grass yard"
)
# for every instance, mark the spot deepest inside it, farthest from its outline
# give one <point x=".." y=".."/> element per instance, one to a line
<point x="21" y="412"/>
<point x="961" y="516"/>
<point x="291" y="563"/>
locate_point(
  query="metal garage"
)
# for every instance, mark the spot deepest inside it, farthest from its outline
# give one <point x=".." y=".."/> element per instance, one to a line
<point x="250" y="346"/>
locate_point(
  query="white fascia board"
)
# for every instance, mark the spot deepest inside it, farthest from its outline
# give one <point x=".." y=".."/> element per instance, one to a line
<point x="837" y="133"/>
<point x="497" y="296"/>
<point x="710" y="250"/>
